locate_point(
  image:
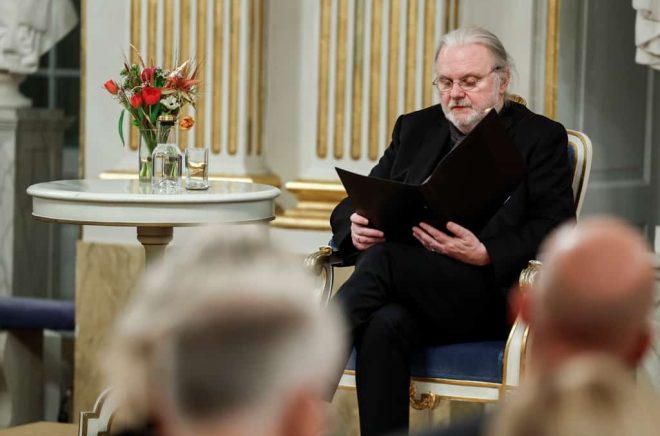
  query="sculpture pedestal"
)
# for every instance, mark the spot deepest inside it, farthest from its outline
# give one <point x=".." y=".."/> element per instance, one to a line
<point x="30" y="152"/>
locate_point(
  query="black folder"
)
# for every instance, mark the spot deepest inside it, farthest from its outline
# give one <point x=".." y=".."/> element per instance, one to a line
<point x="467" y="187"/>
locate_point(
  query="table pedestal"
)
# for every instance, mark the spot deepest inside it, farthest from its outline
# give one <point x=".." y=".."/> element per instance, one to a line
<point x="154" y="240"/>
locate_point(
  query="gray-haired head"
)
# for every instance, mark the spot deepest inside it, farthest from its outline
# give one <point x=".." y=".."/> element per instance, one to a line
<point x="478" y="35"/>
<point x="226" y="326"/>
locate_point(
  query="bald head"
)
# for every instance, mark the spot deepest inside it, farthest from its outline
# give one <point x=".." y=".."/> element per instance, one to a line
<point x="595" y="292"/>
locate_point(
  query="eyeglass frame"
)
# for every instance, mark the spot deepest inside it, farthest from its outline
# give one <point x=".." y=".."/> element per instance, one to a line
<point x="461" y="84"/>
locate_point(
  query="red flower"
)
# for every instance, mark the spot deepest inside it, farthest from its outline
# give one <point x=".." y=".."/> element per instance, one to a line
<point x="111" y="86"/>
<point x="136" y="100"/>
<point x="151" y="95"/>
<point x="147" y="74"/>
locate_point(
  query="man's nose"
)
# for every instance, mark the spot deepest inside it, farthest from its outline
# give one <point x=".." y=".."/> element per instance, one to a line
<point x="456" y="91"/>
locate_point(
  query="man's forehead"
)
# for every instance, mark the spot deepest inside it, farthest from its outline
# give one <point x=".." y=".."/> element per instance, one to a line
<point x="463" y="60"/>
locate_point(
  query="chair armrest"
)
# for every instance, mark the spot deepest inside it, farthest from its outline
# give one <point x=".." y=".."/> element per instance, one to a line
<point x="320" y="263"/>
<point x="529" y="274"/>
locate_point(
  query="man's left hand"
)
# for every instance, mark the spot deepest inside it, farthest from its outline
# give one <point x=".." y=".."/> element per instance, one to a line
<point x="463" y="246"/>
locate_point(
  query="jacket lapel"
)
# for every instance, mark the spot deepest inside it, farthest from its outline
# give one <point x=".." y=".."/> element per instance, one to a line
<point x="431" y="148"/>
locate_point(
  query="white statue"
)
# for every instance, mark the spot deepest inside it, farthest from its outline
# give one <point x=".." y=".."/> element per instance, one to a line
<point x="28" y="29"/>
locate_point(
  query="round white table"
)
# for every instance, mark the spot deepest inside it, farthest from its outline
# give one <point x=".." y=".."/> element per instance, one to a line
<point x="130" y="203"/>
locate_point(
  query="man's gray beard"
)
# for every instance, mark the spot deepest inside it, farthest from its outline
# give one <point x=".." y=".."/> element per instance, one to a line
<point x="468" y="123"/>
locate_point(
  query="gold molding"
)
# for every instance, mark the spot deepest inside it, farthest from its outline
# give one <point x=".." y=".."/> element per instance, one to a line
<point x="168" y="24"/>
<point x="152" y="22"/>
<point x="393" y="66"/>
<point x="184" y="48"/>
<point x="374" y="77"/>
<point x="340" y="79"/>
<point x="136" y="18"/>
<point x="358" y="65"/>
<point x="83" y="86"/>
<point x="200" y="48"/>
<point x="261" y="86"/>
<point x="411" y="55"/>
<point x="446" y="17"/>
<point x="234" y="67"/>
<point x="551" y="59"/>
<point x="324" y="89"/>
<point x="251" y="75"/>
<point x="218" y="56"/>
<point x="316" y="200"/>
<point x="429" y="51"/>
<point x="455" y="16"/>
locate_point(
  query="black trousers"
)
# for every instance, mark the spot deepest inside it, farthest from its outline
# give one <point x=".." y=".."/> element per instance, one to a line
<point x="399" y="297"/>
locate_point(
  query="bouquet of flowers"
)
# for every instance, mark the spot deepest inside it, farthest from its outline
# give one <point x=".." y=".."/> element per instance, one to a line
<point x="146" y="92"/>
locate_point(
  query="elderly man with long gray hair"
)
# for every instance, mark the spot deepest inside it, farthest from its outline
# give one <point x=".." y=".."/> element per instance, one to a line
<point x="225" y="338"/>
<point x="451" y="285"/>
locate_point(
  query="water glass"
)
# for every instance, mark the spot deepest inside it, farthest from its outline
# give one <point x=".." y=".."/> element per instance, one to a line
<point x="197" y="168"/>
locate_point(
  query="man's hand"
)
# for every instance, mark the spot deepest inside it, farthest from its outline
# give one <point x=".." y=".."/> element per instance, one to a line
<point x="464" y="246"/>
<point x="364" y="237"/>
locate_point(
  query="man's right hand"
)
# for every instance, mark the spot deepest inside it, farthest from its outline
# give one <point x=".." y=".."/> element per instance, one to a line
<point x="362" y="236"/>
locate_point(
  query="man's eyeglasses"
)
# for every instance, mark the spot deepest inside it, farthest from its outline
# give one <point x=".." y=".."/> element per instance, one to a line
<point x="467" y="83"/>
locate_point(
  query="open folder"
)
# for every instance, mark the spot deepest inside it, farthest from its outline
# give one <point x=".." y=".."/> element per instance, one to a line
<point x="467" y="187"/>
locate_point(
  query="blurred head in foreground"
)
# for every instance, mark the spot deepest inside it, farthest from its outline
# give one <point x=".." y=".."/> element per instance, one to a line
<point x="589" y="395"/>
<point x="225" y="337"/>
<point x="595" y="294"/>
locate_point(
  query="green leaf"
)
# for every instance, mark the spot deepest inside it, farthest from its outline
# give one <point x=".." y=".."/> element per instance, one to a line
<point x="155" y="111"/>
<point x="121" y="127"/>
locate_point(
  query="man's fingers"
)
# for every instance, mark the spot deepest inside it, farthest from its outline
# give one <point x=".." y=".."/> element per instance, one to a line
<point x="359" y="219"/>
<point x="458" y="230"/>
<point x="373" y="233"/>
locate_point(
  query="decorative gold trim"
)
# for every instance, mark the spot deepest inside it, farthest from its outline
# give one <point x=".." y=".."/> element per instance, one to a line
<point x="168" y="24"/>
<point x="374" y="78"/>
<point x="83" y="87"/>
<point x="358" y="64"/>
<point x="261" y="86"/>
<point x="324" y="60"/>
<point x="184" y="47"/>
<point x="455" y="15"/>
<point x="411" y="55"/>
<point x="234" y="40"/>
<point x="447" y="16"/>
<point x="135" y="41"/>
<point x="523" y="354"/>
<point x="393" y="66"/>
<point x="551" y="59"/>
<point x="251" y="76"/>
<point x="340" y="79"/>
<point x="264" y="179"/>
<point x="429" y="51"/>
<point x="85" y="416"/>
<point x="316" y="200"/>
<point x="200" y="107"/>
<point x="427" y="401"/>
<point x="218" y="56"/>
<point x="152" y="23"/>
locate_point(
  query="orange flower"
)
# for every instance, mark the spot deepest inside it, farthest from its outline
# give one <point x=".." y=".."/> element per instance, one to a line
<point x="111" y="86"/>
<point x="187" y="122"/>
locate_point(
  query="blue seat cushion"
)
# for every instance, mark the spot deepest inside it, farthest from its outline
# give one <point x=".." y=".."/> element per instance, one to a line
<point x="477" y="361"/>
<point x="36" y="313"/>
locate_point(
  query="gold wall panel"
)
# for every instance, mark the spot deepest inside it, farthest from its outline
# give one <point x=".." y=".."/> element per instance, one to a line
<point x="220" y="46"/>
<point x="389" y="37"/>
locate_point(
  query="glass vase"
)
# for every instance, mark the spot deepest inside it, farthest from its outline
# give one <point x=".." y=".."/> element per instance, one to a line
<point x="146" y="145"/>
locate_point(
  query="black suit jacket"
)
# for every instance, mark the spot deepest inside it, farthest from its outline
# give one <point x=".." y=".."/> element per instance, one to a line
<point x="542" y="200"/>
